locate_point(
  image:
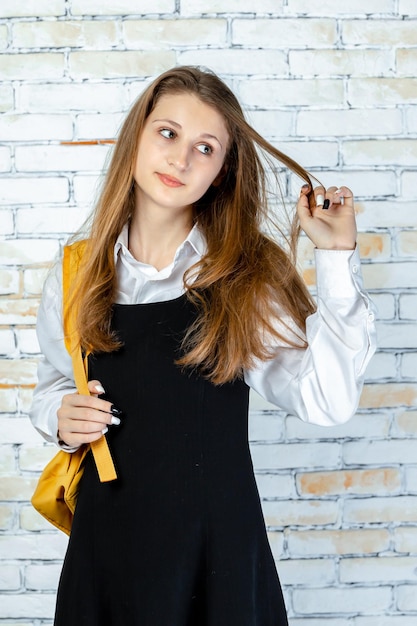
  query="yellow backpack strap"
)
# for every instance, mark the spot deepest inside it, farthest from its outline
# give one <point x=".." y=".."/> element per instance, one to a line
<point x="71" y="261"/>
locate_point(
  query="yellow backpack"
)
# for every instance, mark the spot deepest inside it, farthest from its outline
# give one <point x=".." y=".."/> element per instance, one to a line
<point x="56" y="493"/>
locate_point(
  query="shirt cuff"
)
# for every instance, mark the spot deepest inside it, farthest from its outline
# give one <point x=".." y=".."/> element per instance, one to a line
<point x="339" y="273"/>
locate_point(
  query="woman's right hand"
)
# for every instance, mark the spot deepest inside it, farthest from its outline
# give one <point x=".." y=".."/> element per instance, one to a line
<point x="83" y="419"/>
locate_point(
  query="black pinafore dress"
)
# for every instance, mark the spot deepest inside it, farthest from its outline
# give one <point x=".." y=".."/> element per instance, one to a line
<point x="179" y="538"/>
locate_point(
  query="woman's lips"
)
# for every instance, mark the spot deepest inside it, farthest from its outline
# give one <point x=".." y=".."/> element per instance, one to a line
<point x="169" y="181"/>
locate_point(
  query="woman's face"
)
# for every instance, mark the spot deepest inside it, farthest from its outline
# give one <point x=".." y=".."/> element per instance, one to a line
<point x="181" y="153"/>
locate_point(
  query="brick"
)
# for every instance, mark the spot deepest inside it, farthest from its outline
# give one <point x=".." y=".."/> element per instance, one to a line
<point x="9" y="282"/>
<point x="265" y="427"/>
<point x="389" y="395"/>
<point x="406" y="61"/>
<point x="4" y="37"/>
<point x="334" y="62"/>
<point x="24" y="66"/>
<point x="121" y="7"/>
<point x="49" y="220"/>
<point x="33" y="280"/>
<point x="27" y="251"/>
<point x="379" y="32"/>
<point x="7" y="342"/>
<point x="169" y="34"/>
<point x="30" y="520"/>
<point x="18" y="311"/>
<point x="20" y="190"/>
<point x="406" y="423"/>
<point x="7" y="460"/>
<point x="381" y="510"/>
<point x="376" y="92"/>
<point x="411" y="117"/>
<point x="405" y="539"/>
<point x="385" y="214"/>
<point x="343" y="123"/>
<point x="407" y="7"/>
<point x="385" y="304"/>
<point x="86" y="188"/>
<point x="407" y="598"/>
<point x="401" y="151"/>
<point x="18" y="430"/>
<point x="390" y="275"/>
<point x="21" y="372"/>
<point x="6" y="516"/>
<point x="407" y="243"/>
<point x="27" y="341"/>
<point x="411" y="480"/>
<point x="17" y="488"/>
<point x="307" y="152"/>
<point x="238" y="61"/>
<point x="408" y="306"/>
<point x="32" y="8"/>
<point x="272" y="123"/>
<point x="268" y="93"/>
<point x="25" y="402"/>
<point x="382" y="365"/>
<point x="283" y="456"/>
<point x="10" y="577"/>
<point x="5" y="160"/>
<point x="8" y="401"/>
<point x="380" y="620"/>
<point x="119" y="63"/>
<point x="6" y="98"/>
<point x="28" y="127"/>
<point x="399" y="335"/>
<point x="320" y="622"/>
<point x="273" y="485"/>
<point x="93" y="126"/>
<point x="409" y="364"/>
<point x="328" y="7"/>
<point x="271" y="33"/>
<point x="202" y="7"/>
<point x="374" y="245"/>
<point x="6" y="222"/>
<point x="276" y="541"/>
<point x="57" y="158"/>
<point x="299" y="513"/>
<point x="381" y="569"/>
<point x="307" y="572"/>
<point x="408" y="184"/>
<point x="345" y="600"/>
<point x="369" y="481"/>
<point x="34" y="458"/>
<point x="88" y="34"/>
<point x="322" y="542"/>
<point x="33" y="606"/>
<point x="42" y="577"/>
<point x="71" y="97"/>
<point x="49" y="546"/>
<point x="358" y="426"/>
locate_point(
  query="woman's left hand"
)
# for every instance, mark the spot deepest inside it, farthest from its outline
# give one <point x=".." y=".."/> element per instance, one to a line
<point x="331" y="228"/>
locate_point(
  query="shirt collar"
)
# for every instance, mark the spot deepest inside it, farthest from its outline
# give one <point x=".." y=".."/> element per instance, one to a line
<point x="195" y="239"/>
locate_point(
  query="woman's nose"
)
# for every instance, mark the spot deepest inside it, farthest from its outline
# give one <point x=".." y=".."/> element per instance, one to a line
<point x="180" y="158"/>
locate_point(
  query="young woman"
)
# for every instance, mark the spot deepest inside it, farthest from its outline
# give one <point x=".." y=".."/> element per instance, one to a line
<point x="184" y="304"/>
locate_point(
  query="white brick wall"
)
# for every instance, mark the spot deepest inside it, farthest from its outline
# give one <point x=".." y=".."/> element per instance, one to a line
<point x="333" y="84"/>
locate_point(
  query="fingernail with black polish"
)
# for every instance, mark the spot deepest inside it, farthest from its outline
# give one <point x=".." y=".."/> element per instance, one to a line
<point x="326" y="204"/>
<point x="115" y="411"/>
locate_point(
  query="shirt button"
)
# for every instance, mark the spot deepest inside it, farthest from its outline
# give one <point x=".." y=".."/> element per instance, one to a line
<point x="355" y="269"/>
<point x="371" y="317"/>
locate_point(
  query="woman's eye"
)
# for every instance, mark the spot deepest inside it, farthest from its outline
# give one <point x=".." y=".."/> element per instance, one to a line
<point x="167" y="133"/>
<point x="205" y="149"/>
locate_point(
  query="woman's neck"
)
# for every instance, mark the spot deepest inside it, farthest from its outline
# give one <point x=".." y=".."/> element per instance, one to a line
<point x="155" y="241"/>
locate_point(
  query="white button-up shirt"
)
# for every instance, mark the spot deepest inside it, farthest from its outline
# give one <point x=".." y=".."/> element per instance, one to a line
<point x="320" y="384"/>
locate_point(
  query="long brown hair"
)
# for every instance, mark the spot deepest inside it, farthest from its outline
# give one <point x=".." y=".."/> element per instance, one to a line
<point x="245" y="285"/>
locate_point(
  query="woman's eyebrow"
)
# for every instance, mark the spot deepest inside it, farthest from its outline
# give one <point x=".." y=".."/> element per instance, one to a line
<point x="177" y="125"/>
